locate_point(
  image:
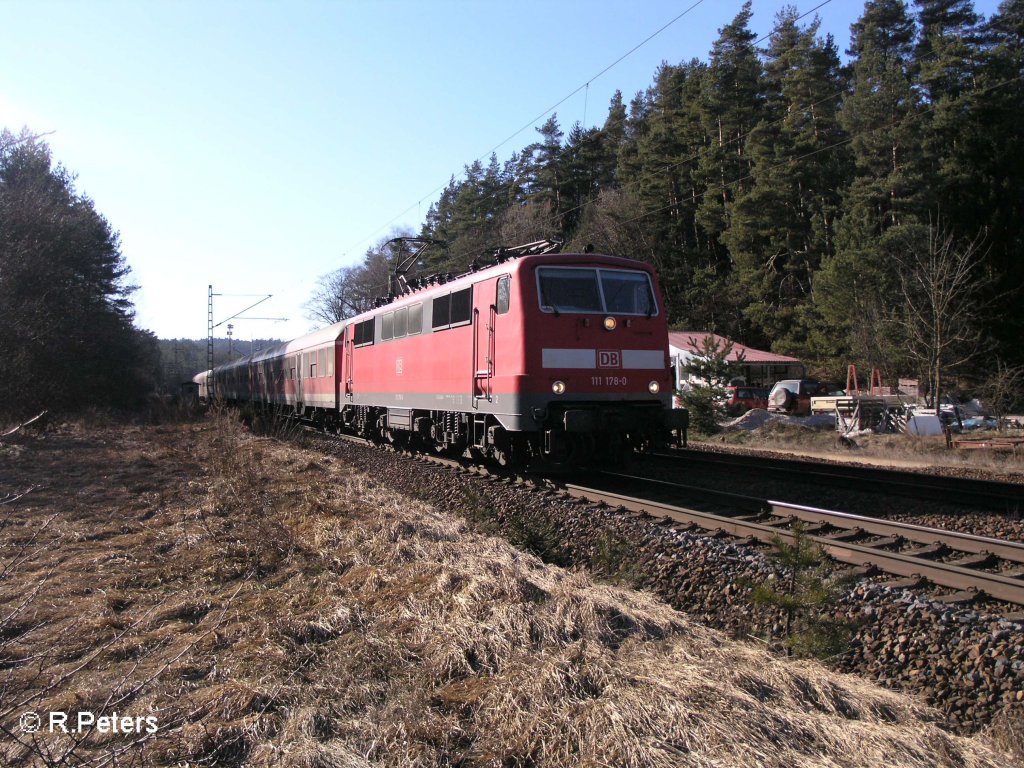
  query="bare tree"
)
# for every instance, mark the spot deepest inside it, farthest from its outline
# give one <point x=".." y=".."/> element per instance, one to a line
<point x="526" y="223"/>
<point x="614" y="224"/>
<point x="1002" y="391"/>
<point x="941" y="285"/>
<point x="349" y="291"/>
<point x="338" y="296"/>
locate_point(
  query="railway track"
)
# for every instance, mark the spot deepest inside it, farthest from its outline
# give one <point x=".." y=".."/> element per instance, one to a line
<point x="970" y="492"/>
<point x="973" y="566"/>
<point x="961" y="657"/>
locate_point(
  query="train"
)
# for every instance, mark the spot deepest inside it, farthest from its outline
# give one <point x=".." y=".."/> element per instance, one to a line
<point x="539" y="358"/>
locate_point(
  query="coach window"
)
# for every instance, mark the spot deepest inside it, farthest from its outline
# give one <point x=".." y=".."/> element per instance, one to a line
<point x="415" y="319"/>
<point x="330" y="361"/>
<point x="387" y="326"/>
<point x="321" y="362"/>
<point x="401" y="321"/>
<point x="504" y="290"/>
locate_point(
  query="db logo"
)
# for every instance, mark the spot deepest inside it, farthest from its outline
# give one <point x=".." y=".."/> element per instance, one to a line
<point x="608" y="358"/>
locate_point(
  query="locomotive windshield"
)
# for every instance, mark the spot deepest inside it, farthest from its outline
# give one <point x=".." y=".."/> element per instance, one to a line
<point x="575" y="289"/>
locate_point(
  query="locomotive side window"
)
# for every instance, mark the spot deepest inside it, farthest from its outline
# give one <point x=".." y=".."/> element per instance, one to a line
<point x="401" y="321"/>
<point x="462" y="306"/>
<point x="387" y="326"/>
<point x="454" y="309"/>
<point x="503" y="295"/>
<point x="363" y="334"/>
<point x="415" y="319"/>
<point x="441" y="313"/>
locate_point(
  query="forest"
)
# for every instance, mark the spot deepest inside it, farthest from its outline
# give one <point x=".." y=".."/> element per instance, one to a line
<point x="67" y="333"/>
<point x="867" y="210"/>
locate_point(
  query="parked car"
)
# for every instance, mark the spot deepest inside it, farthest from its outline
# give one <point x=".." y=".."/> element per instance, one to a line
<point x="793" y="396"/>
<point x="744" y="398"/>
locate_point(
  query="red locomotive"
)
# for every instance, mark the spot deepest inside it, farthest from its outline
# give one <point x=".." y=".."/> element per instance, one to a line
<point x="556" y="358"/>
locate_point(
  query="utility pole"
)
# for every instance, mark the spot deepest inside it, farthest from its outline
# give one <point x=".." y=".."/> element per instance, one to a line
<point x="210" y="326"/>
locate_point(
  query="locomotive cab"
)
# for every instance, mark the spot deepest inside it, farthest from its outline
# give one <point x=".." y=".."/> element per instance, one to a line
<point x="599" y="382"/>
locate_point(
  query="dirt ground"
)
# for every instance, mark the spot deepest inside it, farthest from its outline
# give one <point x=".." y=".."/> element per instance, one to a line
<point x="810" y="437"/>
<point x="191" y="594"/>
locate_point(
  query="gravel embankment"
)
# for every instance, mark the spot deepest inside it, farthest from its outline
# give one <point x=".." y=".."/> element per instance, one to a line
<point x="966" y="662"/>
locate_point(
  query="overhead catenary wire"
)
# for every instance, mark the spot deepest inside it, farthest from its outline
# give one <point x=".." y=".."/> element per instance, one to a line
<point x="534" y="120"/>
<point x="585" y="87"/>
<point x="752" y="46"/>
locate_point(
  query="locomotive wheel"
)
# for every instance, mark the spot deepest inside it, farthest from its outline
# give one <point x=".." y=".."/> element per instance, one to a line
<point x="515" y="452"/>
<point x="505" y="458"/>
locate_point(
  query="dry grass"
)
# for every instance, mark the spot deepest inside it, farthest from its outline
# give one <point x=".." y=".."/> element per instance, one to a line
<point x="274" y="608"/>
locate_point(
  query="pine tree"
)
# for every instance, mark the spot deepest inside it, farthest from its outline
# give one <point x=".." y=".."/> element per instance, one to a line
<point x="543" y="172"/>
<point x="806" y="591"/>
<point x="581" y="159"/>
<point x="999" y="104"/>
<point x="948" y="60"/>
<point x="782" y="226"/>
<point x="658" y="167"/>
<point x="882" y="115"/>
<point x="732" y="103"/>
<point x="65" y="312"/>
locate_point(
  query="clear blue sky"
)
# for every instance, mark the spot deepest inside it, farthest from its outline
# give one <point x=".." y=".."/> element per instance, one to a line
<point x="257" y="145"/>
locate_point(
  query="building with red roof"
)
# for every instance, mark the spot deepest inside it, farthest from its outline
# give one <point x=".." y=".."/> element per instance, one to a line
<point x="755" y="366"/>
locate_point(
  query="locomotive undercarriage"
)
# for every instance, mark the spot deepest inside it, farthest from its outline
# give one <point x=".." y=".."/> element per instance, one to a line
<point x="569" y="436"/>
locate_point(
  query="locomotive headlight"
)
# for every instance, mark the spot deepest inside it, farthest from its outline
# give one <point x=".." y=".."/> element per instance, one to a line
<point x="654" y="387"/>
<point x="610" y="323"/>
<point x="558" y="387"/>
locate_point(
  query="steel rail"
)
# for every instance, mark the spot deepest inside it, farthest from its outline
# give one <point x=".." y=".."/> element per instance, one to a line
<point x="942" y="574"/>
<point x="985" y="493"/>
<point x="962" y="542"/>
<point x="920" y="534"/>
